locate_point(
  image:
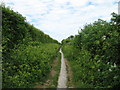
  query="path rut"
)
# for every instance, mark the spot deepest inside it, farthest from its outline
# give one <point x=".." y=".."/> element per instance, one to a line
<point x="62" y="81"/>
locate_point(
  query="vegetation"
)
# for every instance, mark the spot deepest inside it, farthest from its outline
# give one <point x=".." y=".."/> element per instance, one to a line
<point x="94" y="54"/>
<point x="52" y="79"/>
<point x="55" y="76"/>
<point x="27" y="52"/>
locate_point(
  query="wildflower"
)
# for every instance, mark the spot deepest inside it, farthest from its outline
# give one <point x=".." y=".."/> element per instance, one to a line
<point x="108" y="62"/>
<point x="98" y="69"/>
<point x="110" y="69"/>
<point x="114" y="65"/>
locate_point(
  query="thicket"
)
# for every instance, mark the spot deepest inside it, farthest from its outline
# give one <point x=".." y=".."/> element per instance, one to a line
<point x="27" y="52"/>
<point x="94" y="54"/>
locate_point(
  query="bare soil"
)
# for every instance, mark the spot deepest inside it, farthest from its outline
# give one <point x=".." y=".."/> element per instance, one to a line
<point x="53" y="72"/>
<point x="70" y="74"/>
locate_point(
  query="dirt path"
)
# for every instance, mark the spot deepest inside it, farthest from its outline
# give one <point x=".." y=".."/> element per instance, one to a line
<point x="62" y="81"/>
<point x="52" y="79"/>
<point x="70" y="83"/>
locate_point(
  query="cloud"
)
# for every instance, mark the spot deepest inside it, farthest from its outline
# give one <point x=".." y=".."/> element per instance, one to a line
<point x="62" y="18"/>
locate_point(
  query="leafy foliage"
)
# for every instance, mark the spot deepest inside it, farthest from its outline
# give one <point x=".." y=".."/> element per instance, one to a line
<point x="27" y="52"/>
<point x="17" y="30"/>
<point x="28" y="65"/>
<point x="94" y="54"/>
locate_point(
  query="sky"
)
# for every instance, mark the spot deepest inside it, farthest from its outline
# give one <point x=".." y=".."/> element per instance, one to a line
<point x="62" y="18"/>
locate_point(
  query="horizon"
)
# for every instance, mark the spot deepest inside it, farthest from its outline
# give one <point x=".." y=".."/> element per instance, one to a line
<point x="62" y="18"/>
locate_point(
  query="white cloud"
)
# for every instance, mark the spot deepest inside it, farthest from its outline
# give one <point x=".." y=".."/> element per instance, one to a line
<point x="62" y="18"/>
<point x="75" y="3"/>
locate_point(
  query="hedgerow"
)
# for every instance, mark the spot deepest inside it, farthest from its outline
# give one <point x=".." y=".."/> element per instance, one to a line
<point x="94" y="54"/>
<point x="27" y="52"/>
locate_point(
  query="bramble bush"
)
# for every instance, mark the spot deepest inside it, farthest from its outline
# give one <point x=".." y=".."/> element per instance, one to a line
<point x="28" y="65"/>
<point x="94" y="54"/>
<point x="27" y="52"/>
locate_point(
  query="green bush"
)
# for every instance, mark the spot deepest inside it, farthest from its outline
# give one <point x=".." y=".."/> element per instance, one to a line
<point x="28" y="65"/>
<point x="27" y="52"/>
<point x="94" y="55"/>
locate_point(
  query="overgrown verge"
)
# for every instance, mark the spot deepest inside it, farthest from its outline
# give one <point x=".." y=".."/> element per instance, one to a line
<point x="27" y="52"/>
<point x="51" y="80"/>
<point x="70" y="82"/>
<point x="94" y="54"/>
<point x="28" y="65"/>
<point x="57" y="70"/>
